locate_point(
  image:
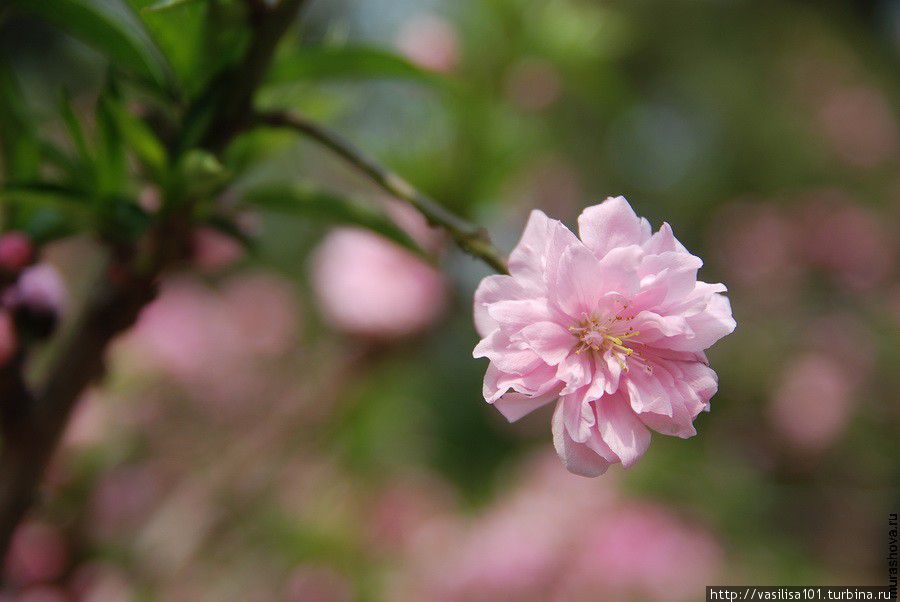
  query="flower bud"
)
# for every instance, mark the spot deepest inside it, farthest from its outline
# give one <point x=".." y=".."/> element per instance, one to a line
<point x="38" y="299"/>
<point x="16" y="252"/>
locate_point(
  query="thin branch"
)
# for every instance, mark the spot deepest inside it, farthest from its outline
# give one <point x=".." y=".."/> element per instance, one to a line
<point x="472" y="239"/>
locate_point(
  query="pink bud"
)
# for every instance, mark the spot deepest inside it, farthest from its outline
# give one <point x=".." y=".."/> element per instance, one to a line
<point x="37" y="554"/>
<point x="214" y="251"/>
<point x="369" y="286"/>
<point x="430" y="42"/>
<point x="40" y="288"/>
<point x="16" y="251"/>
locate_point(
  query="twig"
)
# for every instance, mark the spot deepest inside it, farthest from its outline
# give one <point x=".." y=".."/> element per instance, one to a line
<point x="470" y="238"/>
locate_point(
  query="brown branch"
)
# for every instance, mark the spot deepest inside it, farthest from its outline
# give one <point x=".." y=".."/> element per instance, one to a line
<point x="30" y="440"/>
<point x="33" y="422"/>
<point x="472" y="239"/>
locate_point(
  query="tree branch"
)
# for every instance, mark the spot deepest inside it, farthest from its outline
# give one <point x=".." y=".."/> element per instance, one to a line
<point x="472" y="239"/>
<point x="33" y="422"/>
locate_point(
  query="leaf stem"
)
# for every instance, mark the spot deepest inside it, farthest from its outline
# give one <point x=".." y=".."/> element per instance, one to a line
<point x="471" y="238"/>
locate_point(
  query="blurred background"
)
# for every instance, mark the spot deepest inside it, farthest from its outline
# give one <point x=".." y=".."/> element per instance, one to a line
<point x="305" y="422"/>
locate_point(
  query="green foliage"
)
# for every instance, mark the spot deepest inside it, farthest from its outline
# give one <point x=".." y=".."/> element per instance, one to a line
<point x="18" y="136"/>
<point x="184" y="53"/>
<point x="314" y="63"/>
<point x="164" y="5"/>
<point x="111" y="28"/>
<point x="323" y="206"/>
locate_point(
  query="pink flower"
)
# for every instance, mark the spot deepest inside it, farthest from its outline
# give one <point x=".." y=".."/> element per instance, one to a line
<point x="812" y="404"/>
<point x="627" y="554"/>
<point x="369" y="286"/>
<point x="214" y="251"/>
<point x="430" y="42"/>
<point x="41" y="289"/>
<point x="16" y="251"/>
<point x="37" y="553"/>
<point x="613" y="326"/>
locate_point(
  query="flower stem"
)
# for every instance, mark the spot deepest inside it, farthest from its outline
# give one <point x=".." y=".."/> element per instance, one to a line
<point x="471" y="238"/>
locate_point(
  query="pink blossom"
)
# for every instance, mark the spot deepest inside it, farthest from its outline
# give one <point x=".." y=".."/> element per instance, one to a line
<point x="811" y="406"/>
<point x="628" y="554"/>
<point x="754" y="245"/>
<point x="214" y="250"/>
<point x="491" y="556"/>
<point x="369" y="286"/>
<point x="859" y="123"/>
<point x="430" y="42"/>
<point x="613" y="326"/>
<point x="40" y="288"/>
<point x="100" y="582"/>
<point x="16" y="251"/>
<point x="533" y="84"/>
<point x="310" y="582"/>
<point x="37" y="554"/>
<point x="847" y="240"/>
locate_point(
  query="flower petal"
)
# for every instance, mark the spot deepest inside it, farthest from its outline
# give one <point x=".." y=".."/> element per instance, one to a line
<point x="662" y="241"/>
<point x="534" y="259"/>
<point x="621" y="429"/>
<point x="491" y="290"/>
<point x="611" y="224"/>
<point x="579" y="282"/>
<point x="579" y="458"/>
<point x="516" y="405"/>
<point x="550" y="341"/>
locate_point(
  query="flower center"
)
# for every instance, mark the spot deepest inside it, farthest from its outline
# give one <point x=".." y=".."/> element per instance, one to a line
<point x="605" y="334"/>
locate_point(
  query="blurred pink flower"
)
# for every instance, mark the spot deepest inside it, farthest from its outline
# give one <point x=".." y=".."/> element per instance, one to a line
<point x="369" y="286"/>
<point x="811" y="405"/>
<point x="42" y="593"/>
<point x="846" y="239"/>
<point x="404" y="508"/>
<point x="429" y="41"/>
<point x="516" y="550"/>
<point x="210" y="339"/>
<point x="628" y="554"/>
<point x="41" y="289"/>
<point x="89" y="422"/>
<point x="263" y="309"/>
<point x="123" y="499"/>
<point x="556" y="537"/>
<point x="754" y="246"/>
<point x="16" y="251"/>
<point x="533" y="84"/>
<point x="319" y="584"/>
<point x="214" y="250"/>
<point x="37" y="554"/>
<point x="613" y="325"/>
<point x="858" y="121"/>
<point x="100" y="582"/>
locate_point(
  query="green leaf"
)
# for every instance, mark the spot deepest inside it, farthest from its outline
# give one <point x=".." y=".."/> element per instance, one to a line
<point x="346" y="62"/>
<point x="111" y="28"/>
<point x="324" y="206"/>
<point x="19" y="144"/>
<point x="111" y="165"/>
<point x="139" y="138"/>
<point x="121" y="220"/>
<point x="163" y="5"/>
<point x="76" y="132"/>
<point x="201" y="174"/>
<point x="45" y="211"/>
<point x="228" y="227"/>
